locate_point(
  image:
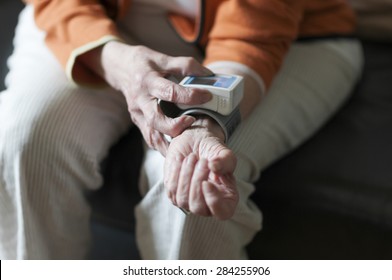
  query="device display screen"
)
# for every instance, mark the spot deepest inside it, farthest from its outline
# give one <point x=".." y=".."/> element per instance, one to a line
<point x="223" y="82"/>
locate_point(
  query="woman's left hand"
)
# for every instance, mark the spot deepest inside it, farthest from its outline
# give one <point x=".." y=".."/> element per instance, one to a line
<point x="199" y="169"/>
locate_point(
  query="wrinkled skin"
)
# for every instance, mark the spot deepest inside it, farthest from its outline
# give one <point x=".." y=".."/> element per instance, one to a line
<point x="198" y="172"/>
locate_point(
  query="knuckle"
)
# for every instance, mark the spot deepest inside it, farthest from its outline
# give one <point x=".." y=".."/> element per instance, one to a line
<point x="135" y="115"/>
<point x="169" y="92"/>
<point x="132" y="109"/>
<point x="138" y="79"/>
<point x="133" y="118"/>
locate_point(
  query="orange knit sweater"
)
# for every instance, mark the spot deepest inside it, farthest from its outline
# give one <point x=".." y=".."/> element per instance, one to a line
<point x="256" y="33"/>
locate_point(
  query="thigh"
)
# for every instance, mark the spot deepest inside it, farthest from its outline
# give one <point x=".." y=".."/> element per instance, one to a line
<point x="39" y="99"/>
<point x="53" y="135"/>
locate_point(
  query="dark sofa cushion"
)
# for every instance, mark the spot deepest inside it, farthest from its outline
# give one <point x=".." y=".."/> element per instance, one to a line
<point x="346" y="167"/>
<point x="332" y="197"/>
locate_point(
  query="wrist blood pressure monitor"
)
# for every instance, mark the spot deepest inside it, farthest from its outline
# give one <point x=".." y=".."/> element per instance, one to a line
<point x="227" y="93"/>
<point x="226" y="90"/>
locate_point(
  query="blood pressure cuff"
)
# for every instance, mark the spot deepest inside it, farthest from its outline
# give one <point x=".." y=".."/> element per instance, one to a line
<point x="228" y="123"/>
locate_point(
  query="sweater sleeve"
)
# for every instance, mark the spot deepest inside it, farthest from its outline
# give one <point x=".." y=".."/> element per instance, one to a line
<point x="256" y="33"/>
<point x="73" y="27"/>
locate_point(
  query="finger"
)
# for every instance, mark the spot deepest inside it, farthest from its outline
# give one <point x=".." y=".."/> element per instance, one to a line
<point x="197" y="204"/>
<point x="184" y="182"/>
<point x="186" y="66"/>
<point x="154" y="138"/>
<point x="224" y="163"/>
<point x="169" y="126"/>
<point x="221" y="200"/>
<point x="172" y="170"/>
<point x="225" y="184"/>
<point x="159" y="142"/>
<point x="164" y="89"/>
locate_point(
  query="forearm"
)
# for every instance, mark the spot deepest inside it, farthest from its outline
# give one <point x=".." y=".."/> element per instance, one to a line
<point x="98" y="60"/>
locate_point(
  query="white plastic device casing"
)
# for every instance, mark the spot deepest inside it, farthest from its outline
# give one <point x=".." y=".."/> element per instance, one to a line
<point x="224" y="98"/>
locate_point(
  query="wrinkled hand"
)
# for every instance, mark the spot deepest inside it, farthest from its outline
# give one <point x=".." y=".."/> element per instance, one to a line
<point x="198" y="173"/>
<point x="140" y="73"/>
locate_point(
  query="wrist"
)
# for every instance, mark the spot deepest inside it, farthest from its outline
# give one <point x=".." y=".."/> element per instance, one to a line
<point x="227" y="123"/>
<point x="206" y="123"/>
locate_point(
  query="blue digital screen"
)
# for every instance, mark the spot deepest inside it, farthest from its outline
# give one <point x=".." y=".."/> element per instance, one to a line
<point x="223" y="82"/>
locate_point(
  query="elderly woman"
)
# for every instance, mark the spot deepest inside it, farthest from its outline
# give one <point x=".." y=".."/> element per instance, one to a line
<point x="84" y="71"/>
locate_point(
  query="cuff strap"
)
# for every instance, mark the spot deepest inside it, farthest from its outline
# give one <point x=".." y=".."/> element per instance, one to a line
<point x="228" y="123"/>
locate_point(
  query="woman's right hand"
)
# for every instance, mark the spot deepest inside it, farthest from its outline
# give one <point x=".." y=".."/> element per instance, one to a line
<point x="141" y="75"/>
